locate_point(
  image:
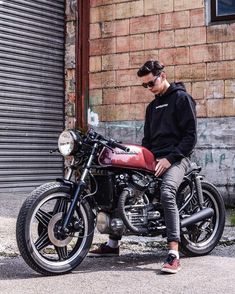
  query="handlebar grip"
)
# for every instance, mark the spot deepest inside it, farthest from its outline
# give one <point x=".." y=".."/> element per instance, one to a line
<point x="122" y="147"/>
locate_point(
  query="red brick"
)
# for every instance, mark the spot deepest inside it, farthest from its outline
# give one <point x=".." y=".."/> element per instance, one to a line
<point x="123" y="112"/>
<point x="144" y="24"/>
<point x="174" y="20"/>
<point x="174" y="56"/>
<point x="115" y="28"/>
<point x="137" y="111"/>
<point x="181" y="55"/>
<point x="201" y="108"/>
<point x="137" y="42"/>
<point x="123" y="44"/>
<point x="117" y="95"/>
<point x="95" y="97"/>
<point x="188" y="87"/>
<point x="122" y="27"/>
<point x="221" y="33"/>
<point x="197" y="17"/>
<point x="221" y="107"/>
<point x="95" y="3"/>
<point x="102" y="13"/>
<point x="181" y="37"/>
<point x="204" y="53"/>
<point x="95" y="80"/>
<point x="95" y="31"/>
<point x="191" y="72"/>
<point x="199" y="90"/>
<point x="221" y="70"/>
<point x="140" y="94"/>
<point x="127" y="78"/>
<point x="70" y="74"/>
<point x="166" y="39"/>
<point x="108" y="29"/>
<point x="115" y="61"/>
<point x="230" y="88"/>
<point x="214" y="89"/>
<point x="108" y="79"/>
<point x="137" y="59"/>
<point x="151" y="54"/>
<point x="151" y="40"/>
<point x="158" y="6"/>
<point x="102" y="46"/>
<point x="229" y="50"/>
<point x="71" y="97"/>
<point x="190" y="36"/>
<point x="109" y="113"/>
<point x="167" y="56"/>
<point x="187" y="5"/>
<point x="197" y="35"/>
<point x="129" y="9"/>
<point x="95" y="63"/>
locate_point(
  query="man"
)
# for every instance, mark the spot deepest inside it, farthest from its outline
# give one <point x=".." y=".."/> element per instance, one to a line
<point x="170" y="133"/>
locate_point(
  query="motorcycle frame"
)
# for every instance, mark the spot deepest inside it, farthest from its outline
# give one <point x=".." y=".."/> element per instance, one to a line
<point x="193" y="178"/>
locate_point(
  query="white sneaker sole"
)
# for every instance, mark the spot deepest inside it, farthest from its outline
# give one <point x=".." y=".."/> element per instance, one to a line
<point x="170" y="271"/>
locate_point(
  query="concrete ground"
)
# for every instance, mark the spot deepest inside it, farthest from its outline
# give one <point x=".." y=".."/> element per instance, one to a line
<point x="9" y="209"/>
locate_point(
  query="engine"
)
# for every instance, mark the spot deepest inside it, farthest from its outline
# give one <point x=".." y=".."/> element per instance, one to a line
<point x="138" y="210"/>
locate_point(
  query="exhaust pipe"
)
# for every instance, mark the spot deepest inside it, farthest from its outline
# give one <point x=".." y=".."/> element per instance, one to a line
<point x="197" y="217"/>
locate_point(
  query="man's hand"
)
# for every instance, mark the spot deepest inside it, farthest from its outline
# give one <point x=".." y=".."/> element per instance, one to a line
<point x="162" y="165"/>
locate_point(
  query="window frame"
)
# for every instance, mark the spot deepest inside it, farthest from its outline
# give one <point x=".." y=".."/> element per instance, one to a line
<point x="215" y="17"/>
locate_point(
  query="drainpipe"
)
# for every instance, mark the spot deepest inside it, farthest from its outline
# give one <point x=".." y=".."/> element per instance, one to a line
<point x="82" y="63"/>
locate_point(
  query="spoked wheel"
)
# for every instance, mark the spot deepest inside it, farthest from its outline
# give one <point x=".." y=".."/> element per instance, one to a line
<point x="39" y="238"/>
<point x="202" y="237"/>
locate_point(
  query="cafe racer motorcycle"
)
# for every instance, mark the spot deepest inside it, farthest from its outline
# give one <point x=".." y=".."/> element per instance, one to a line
<point x="112" y="187"/>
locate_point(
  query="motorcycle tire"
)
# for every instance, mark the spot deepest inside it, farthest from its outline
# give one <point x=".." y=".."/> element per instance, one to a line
<point x="57" y="259"/>
<point x="192" y="244"/>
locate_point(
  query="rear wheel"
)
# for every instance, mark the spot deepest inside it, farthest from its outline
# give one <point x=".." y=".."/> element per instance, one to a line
<point x="202" y="237"/>
<point x="41" y="245"/>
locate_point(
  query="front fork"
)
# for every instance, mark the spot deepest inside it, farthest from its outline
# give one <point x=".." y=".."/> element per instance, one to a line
<point x="198" y="188"/>
<point x="79" y="189"/>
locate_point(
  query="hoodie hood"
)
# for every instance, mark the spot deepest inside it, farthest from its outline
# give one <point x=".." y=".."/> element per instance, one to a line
<point x="173" y="87"/>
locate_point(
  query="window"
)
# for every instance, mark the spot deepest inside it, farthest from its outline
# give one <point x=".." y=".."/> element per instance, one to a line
<point x="222" y="10"/>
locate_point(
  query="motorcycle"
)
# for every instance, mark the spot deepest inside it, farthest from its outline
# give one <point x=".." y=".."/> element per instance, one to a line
<point x="111" y="187"/>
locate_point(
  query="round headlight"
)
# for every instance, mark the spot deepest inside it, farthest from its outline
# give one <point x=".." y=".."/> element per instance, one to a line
<point x="66" y="143"/>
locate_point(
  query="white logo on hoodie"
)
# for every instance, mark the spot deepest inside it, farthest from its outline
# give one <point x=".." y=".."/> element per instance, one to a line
<point x="161" y="106"/>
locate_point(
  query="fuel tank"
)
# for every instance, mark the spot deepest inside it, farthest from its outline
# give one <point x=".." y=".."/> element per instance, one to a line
<point x="137" y="157"/>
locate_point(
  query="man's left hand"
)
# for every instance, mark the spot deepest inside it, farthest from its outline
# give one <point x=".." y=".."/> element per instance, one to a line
<point x="162" y="165"/>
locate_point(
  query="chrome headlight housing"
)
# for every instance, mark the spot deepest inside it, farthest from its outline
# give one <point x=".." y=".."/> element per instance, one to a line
<point x="69" y="142"/>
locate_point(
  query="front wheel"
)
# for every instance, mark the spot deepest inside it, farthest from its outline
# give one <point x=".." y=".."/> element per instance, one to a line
<point x="38" y="223"/>
<point x="201" y="238"/>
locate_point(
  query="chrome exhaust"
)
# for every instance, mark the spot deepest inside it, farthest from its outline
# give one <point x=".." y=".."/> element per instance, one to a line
<point x="197" y="217"/>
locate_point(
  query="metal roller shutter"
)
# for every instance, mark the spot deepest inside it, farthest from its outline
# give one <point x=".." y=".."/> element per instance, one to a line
<point x="31" y="92"/>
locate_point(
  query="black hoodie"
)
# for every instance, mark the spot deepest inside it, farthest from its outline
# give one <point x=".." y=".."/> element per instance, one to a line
<point x="170" y="124"/>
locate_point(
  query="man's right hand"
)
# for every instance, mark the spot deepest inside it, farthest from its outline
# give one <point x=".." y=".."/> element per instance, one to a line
<point x="162" y="165"/>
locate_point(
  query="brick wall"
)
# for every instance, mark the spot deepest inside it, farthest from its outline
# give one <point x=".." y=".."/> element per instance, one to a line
<point x="124" y="34"/>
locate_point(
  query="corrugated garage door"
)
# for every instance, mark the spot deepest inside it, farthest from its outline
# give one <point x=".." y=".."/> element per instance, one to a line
<point x="31" y="92"/>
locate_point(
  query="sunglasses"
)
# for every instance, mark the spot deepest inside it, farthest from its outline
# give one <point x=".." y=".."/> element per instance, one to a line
<point x="151" y="84"/>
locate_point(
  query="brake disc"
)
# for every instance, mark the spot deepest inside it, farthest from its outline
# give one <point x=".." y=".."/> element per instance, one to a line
<point x="52" y="231"/>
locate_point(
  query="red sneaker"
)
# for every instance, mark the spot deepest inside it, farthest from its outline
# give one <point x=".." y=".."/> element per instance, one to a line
<point x="104" y="251"/>
<point x="171" y="265"/>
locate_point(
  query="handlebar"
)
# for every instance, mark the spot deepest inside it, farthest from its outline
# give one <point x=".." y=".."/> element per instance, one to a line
<point x="112" y="143"/>
<point x="124" y="148"/>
